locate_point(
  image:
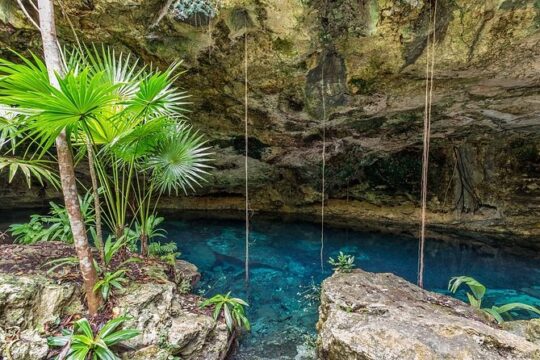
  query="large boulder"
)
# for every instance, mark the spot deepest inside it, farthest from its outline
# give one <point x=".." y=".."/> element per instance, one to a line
<point x="371" y="316"/>
<point x="171" y="321"/>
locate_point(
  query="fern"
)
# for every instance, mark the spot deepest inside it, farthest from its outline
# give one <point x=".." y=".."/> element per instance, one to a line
<point x="167" y="252"/>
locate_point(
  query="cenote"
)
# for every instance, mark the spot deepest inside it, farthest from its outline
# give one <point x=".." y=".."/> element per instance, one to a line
<point x="269" y="180"/>
<point x="285" y="266"/>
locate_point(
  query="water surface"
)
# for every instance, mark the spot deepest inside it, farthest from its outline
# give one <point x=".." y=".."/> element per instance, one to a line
<point x="285" y="263"/>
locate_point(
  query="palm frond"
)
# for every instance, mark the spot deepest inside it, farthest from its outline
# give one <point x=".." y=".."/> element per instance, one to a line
<point x="157" y="96"/>
<point x="39" y="170"/>
<point x="180" y="161"/>
<point x="141" y="140"/>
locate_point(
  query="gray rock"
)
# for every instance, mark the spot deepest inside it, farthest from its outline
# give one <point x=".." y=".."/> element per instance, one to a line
<point x="28" y="345"/>
<point x="381" y="316"/>
<point x="529" y="329"/>
<point x="31" y="301"/>
<point x="164" y="318"/>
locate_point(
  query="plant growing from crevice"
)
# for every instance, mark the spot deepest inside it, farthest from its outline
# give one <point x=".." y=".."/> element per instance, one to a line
<point x="110" y="283"/>
<point x="82" y="343"/>
<point x="476" y="295"/>
<point x="232" y="309"/>
<point x="343" y="263"/>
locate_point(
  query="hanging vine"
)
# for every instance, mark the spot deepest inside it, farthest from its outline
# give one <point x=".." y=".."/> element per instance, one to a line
<point x="430" y="67"/>
<point x="246" y="152"/>
<point x="323" y="165"/>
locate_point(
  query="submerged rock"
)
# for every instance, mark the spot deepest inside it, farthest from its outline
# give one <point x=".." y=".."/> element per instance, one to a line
<point x="381" y="316"/>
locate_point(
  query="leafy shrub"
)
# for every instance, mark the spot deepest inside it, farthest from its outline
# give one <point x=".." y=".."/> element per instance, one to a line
<point x="499" y="313"/>
<point x="82" y="343"/>
<point x="232" y="309"/>
<point x="343" y="264"/>
<point x="52" y="227"/>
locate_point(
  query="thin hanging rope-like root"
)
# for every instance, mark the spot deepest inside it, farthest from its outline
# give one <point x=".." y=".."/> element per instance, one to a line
<point x="323" y="164"/>
<point x="430" y="67"/>
<point x="246" y="152"/>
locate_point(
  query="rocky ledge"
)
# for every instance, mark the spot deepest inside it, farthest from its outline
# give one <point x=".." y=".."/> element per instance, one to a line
<point x="33" y="303"/>
<point x="382" y="316"/>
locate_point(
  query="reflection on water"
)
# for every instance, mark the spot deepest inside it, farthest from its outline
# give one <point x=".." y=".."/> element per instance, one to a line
<point x="285" y="264"/>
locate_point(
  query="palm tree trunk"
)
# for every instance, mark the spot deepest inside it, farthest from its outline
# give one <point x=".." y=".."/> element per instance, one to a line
<point x="65" y="161"/>
<point x="144" y="244"/>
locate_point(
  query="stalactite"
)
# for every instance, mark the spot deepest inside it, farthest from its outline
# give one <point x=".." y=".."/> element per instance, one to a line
<point x="430" y="67"/>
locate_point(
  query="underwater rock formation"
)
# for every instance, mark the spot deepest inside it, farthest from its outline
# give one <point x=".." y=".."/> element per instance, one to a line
<point x="484" y="169"/>
<point x="171" y="323"/>
<point x="382" y="316"/>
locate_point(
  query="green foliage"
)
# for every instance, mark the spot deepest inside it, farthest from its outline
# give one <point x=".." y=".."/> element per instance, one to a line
<point x="184" y="287"/>
<point x="232" y="309"/>
<point x="478" y="290"/>
<point x="52" y="227"/>
<point x="31" y="169"/>
<point x="167" y="252"/>
<point x="499" y="313"/>
<point x="343" y="264"/>
<point x="39" y="170"/>
<point x="149" y="227"/>
<point x="109" y="282"/>
<point x="179" y="161"/>
<point x="84" y="344"/>
<point x="131" y="115"/>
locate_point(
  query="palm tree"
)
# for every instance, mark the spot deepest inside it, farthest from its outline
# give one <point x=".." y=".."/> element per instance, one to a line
<point x="143" y="144"/>
<point x="65" y="159"/>
<point x="130" y="117"/>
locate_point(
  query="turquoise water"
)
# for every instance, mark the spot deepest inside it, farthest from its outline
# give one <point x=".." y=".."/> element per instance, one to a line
<point x="285" y="262"/>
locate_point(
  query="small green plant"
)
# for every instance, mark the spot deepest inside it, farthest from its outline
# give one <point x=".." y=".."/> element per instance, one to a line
<point x="184" y="287"/>
<point x="167" y="252"/>
<point x="232" y="309"/>
<point x="111" y="281"/>
<point x="343" y="264"/>
<point x="499" y="313"/>
<point x="83" y="344"/>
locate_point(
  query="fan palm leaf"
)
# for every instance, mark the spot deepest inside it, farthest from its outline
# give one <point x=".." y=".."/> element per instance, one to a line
<point x="180" y="161"/>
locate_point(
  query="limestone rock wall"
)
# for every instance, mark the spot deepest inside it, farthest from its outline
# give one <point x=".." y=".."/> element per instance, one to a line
<point x="484" y="169"/>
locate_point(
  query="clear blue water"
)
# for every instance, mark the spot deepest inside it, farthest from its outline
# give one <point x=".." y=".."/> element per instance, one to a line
<point x="285" y="261"/>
